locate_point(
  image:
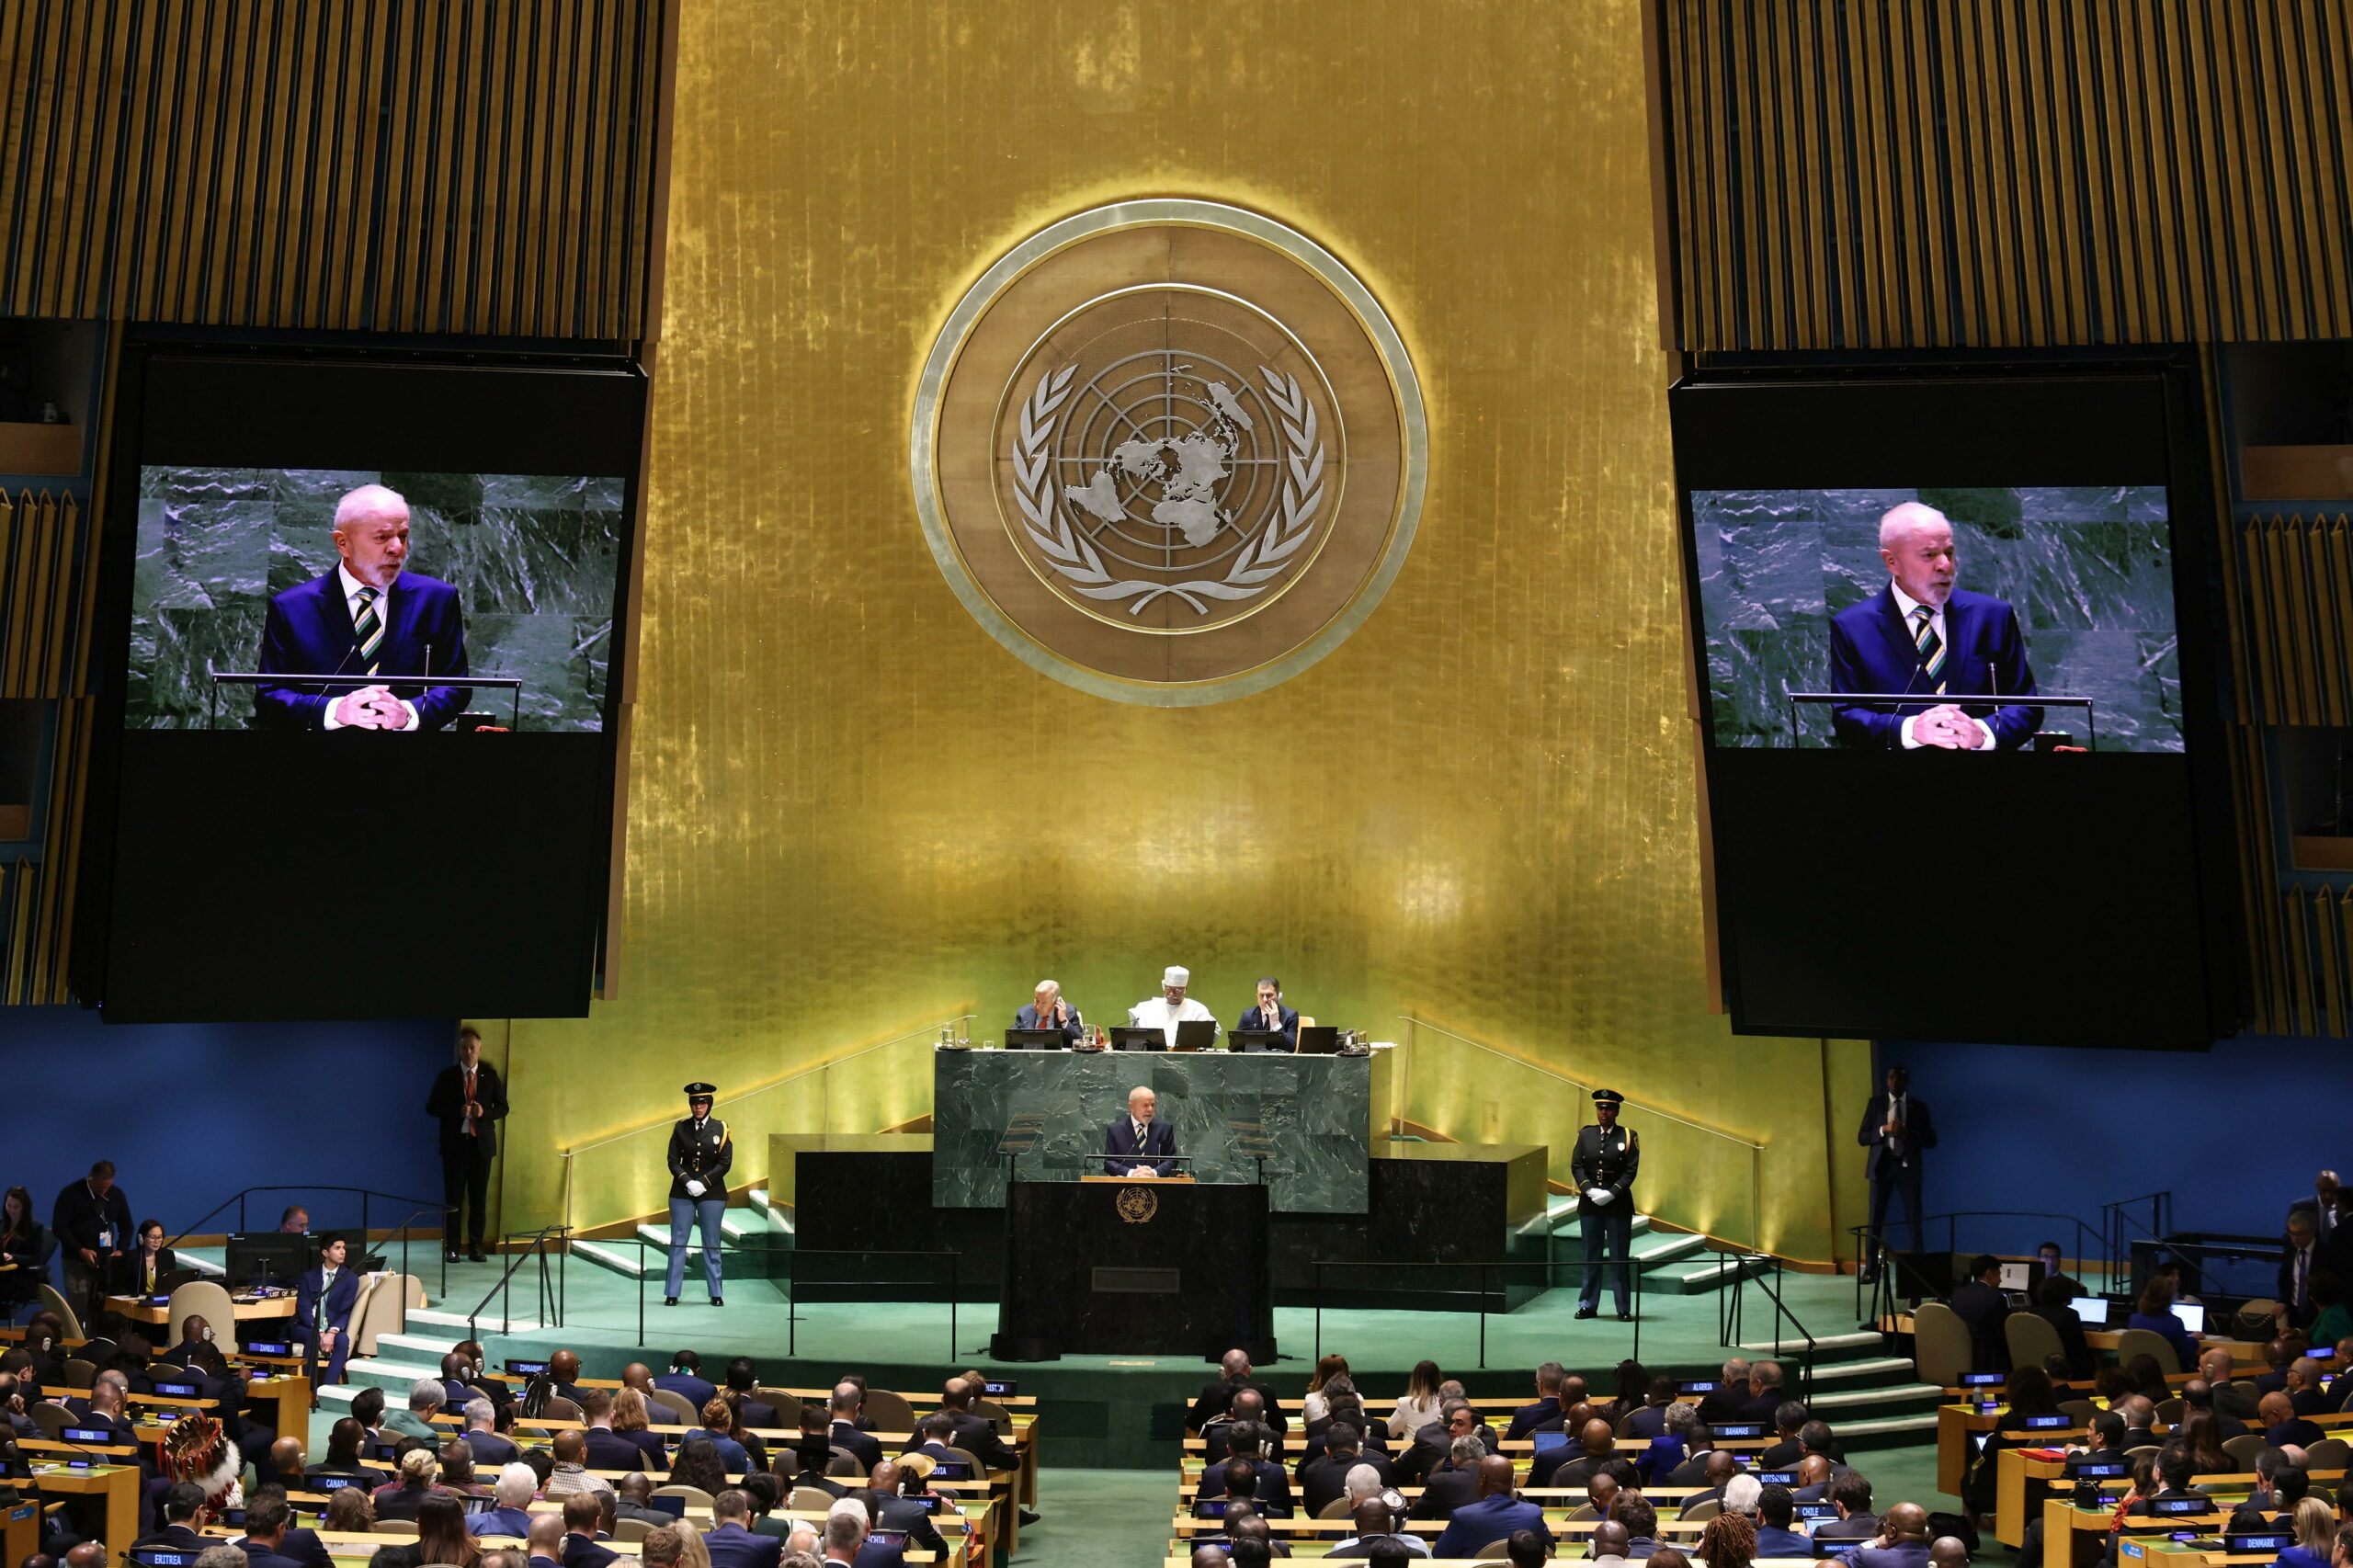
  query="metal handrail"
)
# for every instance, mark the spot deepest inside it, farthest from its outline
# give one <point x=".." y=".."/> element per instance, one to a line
<point x="1781" y="1310"/>
<point x="1634" y="1287"/>
<point x="791" y="1254"/>
<point x="960" y="1021"/>
<point x="424" y="1206"/>
<point x="1883" y="1285"/>
<point x="2112" y="1221"/>
<point x="1756" y="1149"/>
<point x="538" y="1249"/>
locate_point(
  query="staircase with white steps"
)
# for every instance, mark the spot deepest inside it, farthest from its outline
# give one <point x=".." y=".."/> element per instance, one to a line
<point x="1669" y="1262"/>
<point x="1871" y="1400"/>
<point x="743" y="1229"/>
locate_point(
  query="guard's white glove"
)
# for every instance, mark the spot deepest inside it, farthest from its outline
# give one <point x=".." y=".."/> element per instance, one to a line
<point x="1597" y="1195"/>
<point x="695" y="1188"/>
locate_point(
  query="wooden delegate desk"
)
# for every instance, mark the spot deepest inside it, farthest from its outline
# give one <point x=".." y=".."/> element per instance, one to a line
<point x="20" y="1530"/>
<point x="143" y="1309"/>
<point x="117" y="1483"/>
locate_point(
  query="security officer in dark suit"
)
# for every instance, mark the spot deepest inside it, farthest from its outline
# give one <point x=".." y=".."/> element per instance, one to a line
<point x="701" y="1153"/>
<point x="1607" y="1156"/>
<point x="469" y="1100"/>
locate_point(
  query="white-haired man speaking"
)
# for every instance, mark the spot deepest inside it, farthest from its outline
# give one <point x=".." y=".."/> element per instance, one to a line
<point x="1921" y="638"/>
<point x="372" y="620"/>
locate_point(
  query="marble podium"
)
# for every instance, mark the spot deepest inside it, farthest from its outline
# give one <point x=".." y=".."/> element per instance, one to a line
<point x="1310" y="1116"/>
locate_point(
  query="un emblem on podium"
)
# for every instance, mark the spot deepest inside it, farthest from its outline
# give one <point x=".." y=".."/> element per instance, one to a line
<point x="1169" y="451"/>
<point x="1137" y="1205"/>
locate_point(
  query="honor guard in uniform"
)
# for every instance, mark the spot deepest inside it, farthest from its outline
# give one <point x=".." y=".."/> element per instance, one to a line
<point x="1604" y="1166"/>
<point x="701" y="1152"/>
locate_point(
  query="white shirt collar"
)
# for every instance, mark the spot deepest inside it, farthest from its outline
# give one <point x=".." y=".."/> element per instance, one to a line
<point x="1905" y="604"/>
<point x="351" y="585"/>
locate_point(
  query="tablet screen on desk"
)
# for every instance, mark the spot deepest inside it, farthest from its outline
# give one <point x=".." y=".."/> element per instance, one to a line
<point x="674" y="1506"/>
<point x="2092" y="1309"/>
<point x="1210" y="1508"/>
<point x="2193" y="1316"/>
<point x="1547" y="1441"/>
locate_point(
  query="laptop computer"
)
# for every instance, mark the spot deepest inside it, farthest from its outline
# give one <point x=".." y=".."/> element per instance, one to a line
<point x="2192" y="1315"/>
<point x="1194" y="1034"/>
<point x="1319" y="1040"/>
<point x="2018" y="1276"/>
<point x="1034" y="1039"/>
<point x="2093" y="1310"/>
<point x="1133" y="1037"/>
<point x="674" y="1506"/>
<point x="1256" y="1040"/>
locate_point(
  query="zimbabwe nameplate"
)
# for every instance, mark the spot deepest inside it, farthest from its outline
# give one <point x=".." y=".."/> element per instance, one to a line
<point x="1169" y="451"/>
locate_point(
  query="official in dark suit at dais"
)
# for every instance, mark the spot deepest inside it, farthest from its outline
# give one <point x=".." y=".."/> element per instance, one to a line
<point x="1922" y="638"/>
<point x="1137" y="1144"/>
<point x="370" y="618"/>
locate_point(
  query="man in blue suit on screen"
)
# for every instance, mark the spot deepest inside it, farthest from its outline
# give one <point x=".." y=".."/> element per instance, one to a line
<point x="1922" y="638"/>
<point x="370" y="618"/>
<point x="1136" y="1145"/>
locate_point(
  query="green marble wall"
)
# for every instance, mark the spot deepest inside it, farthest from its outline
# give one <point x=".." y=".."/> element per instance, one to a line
<point x="1310" y="1115"/>
<point x="2089" y="570"/>
<point x="535" y="559"/>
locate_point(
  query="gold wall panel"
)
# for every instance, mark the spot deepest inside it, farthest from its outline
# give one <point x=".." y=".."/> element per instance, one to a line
<point x="851" y="812"/>
<point x="433" y="166"/>
<point x="2006" y="172"/>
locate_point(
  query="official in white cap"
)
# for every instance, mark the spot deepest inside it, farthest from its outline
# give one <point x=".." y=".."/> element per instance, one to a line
<point x="1172" y="1006"/>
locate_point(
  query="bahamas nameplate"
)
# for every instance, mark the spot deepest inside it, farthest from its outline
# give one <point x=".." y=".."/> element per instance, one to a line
<point x="1169" y="451"/>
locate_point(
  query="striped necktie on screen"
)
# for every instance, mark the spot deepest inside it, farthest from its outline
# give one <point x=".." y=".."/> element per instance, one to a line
<point x="368" y="627"/>
<point x="1931" y="647"/>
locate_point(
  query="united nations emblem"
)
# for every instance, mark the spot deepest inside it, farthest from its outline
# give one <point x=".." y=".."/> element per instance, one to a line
<point x="1137" y="1205"/>
<point x="1169" y="451"/>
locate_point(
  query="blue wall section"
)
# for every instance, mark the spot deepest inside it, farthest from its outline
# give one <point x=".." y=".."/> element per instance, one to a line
<point x="190" y="1113"/>
<point x="2235" y="1135"/>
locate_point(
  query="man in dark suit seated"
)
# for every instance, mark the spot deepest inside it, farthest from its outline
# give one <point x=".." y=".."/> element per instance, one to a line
<point x="742" y="1381"/>
<point x="1323" y="1479"/>
<point x="267" y="1521"/>
<point x="182" y="1503"/>
<point x="1049" y="1009"/>
<point x="1249" y="1411"/>
<point x="1528" y="1417"/>
<point x="1268" y="1014"/>
<point x="2199" y="1394"/>
<point x="848" y="1399"/>
<point x="2053" y="1296"/>
<point x="2107" y="1442"/>
<point x="1598" y="1446"/>
<point x="1700" y="1468"/>
<point x="2177" y="1477"/>
<point x="632" y="1499"/>
<point x="902" y="1515"/>
<point x="370" y="618"/>
<point x="1980" y="1305"/>
<point x="2282" y="1426"/>
<point x="1902" y="1540"/>
<point x="1650" y="1421"/>
<point x="684" y="1379"/>
<point x="1814" y="1477"/>
<point x="1454" y="1483"/>
<point x="1491" y="1516"/>
<point x="1730" y="1396"/>
<point x="1136" y="1144"/>
<point x="1924" y="639"/>
<point x="583" y="1532"/>
<point x="1851" y="1495"/>
<point x="1775" y="1510"/>
<point x="2304" y="1391"/>
<point x="1765" y="1396"/>
<point x="730" y="1539"/>
<point x="2140" y="1415"/>
<point x="1788" y="1417"/>
<point x="491" y="1450"/>
<point x="1715" y="1473"/>
<point x="1457" y="1419"/>
<point x="975" y="1433"/>
<point x="1268" y="1485"/>
<point x="323" y="1304"/>
<point x="1217" y="1399"/>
